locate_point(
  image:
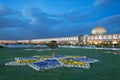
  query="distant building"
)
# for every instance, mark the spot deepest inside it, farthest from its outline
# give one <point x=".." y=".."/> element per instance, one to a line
<point x="71" y="40"/>
<point x="98" y="35"/>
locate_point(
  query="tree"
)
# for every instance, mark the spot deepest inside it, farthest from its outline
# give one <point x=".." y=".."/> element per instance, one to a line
<point x="109" y="44"/>
<point x="103" y="44"/>
<point x="53" y="45"/>
<point x="1" y="46"/>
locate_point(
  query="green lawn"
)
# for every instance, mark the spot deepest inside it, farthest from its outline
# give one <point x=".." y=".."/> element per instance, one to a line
<point x="108" y="68"/>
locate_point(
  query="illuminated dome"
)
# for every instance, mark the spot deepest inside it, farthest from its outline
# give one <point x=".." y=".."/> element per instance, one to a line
<point x="99" y="30"/>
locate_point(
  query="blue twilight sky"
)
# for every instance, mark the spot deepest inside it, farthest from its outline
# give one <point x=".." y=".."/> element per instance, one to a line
<point x="33" y="19"/>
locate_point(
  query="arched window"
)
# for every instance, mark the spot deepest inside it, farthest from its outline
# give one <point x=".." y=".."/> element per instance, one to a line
<point x="109" y="36"/>
<point x="96" y="37"/>
<point x="100" y="37"/>
<point x="119" y="36"/>
<point x="105" y="37"/>
<point x="115" y="36"/>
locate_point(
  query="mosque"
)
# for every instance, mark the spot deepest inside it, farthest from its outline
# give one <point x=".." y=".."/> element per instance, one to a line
<point x="98" y="35"/>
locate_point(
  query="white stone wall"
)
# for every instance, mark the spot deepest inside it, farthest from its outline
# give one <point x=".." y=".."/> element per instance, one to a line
<point x="74" y="38"/>
<point x="106" y="37"/>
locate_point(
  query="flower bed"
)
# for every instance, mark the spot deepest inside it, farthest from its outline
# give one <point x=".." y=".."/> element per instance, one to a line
<point x="47" y="62"/>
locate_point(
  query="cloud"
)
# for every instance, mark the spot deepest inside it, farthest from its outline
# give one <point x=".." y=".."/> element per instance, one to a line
<point x="111" y="23"/>
<point x="5" y="10"/>
<point x="9" y="18"/>
<point x="53" y="25"/>
<point x="102" y="2"/>
<point x="35" y="15"/>
<point x="73" y="16"/>
<point x="10" y="22"/>
<point x="110" y="20"/>
<point x="40" y="23"/>
<point x="31" y="23"/>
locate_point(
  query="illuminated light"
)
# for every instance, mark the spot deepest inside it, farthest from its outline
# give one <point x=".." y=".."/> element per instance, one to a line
<point x="114" y="42"/>
<point x="95" y="42"/>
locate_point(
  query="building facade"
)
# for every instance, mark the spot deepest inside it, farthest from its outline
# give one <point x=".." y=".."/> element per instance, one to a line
<point x="71" y="40"/>
<point x="99" y="35"/>
<point x="114" y="38"/>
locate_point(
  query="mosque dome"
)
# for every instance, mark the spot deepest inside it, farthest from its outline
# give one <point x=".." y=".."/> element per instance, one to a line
<point x="99" y="30"/>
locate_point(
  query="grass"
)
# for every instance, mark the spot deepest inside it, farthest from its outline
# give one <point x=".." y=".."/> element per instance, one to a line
<point x="106" y="69"/>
